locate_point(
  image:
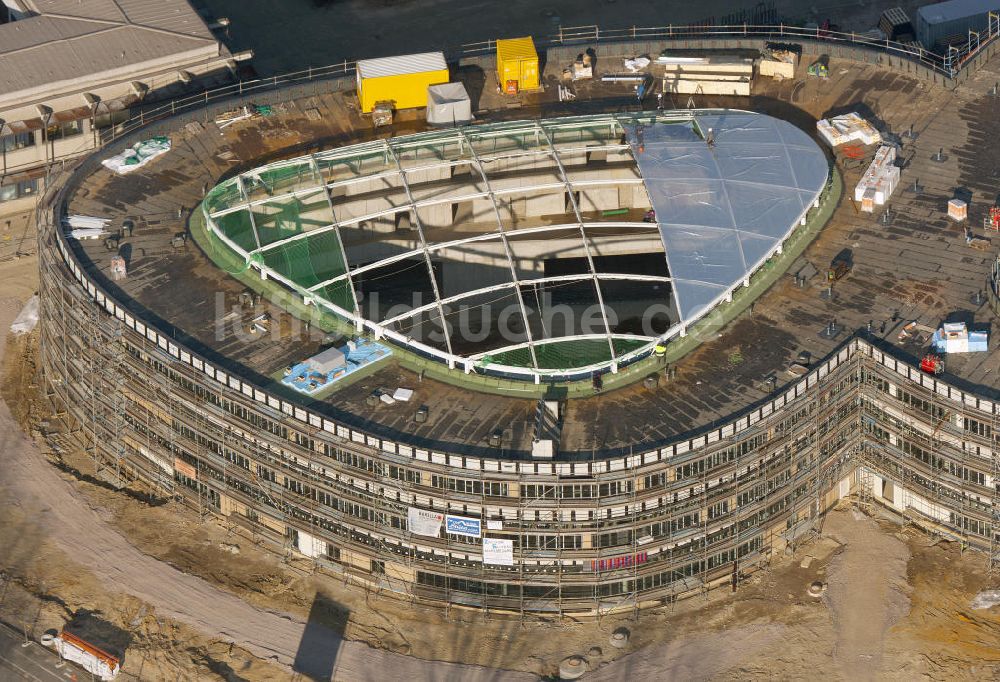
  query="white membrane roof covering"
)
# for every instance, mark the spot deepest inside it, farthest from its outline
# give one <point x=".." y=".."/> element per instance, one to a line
<point x="724" y="208"/>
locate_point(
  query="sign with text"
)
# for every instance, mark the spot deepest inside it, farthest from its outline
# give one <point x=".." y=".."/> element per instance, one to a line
<point x="498" y="552"/>
<point x="463" y="525"/>
<point x="423" y="522"/>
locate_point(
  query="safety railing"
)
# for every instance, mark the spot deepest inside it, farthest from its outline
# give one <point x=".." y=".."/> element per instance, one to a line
<point x="146" y="115"/>
<point x="947" y="65"/>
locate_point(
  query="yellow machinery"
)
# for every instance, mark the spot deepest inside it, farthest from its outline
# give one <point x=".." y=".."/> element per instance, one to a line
<point x="517" y="65"/>
<point x="402" y="80"/>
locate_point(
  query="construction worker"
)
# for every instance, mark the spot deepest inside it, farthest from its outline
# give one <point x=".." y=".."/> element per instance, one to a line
<point x="660" y="351"/>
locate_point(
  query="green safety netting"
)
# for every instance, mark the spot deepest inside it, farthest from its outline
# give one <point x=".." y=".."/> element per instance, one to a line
<point x="565" y="355"/>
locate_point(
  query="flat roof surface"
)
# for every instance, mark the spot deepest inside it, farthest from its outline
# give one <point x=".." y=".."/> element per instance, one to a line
<point x="914" y="266"/>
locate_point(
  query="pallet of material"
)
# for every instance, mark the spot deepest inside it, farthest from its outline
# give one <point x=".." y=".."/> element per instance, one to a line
<point x="847" y="128"/>
<point x="740" y="66"/>
<point x="879" y="181"/>
<point x="700" y="87"/>
<point x="772" y="68"/>
<point x="705" y="76"/>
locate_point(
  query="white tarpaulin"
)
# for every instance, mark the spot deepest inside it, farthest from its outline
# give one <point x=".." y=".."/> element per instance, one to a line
<point x="85" y="226"/>
<point x="448" y="104"/>
<point x="138" y="155"/>
<point x="27" y="318"/>
<point x="636" y="64"/>
<point x="423" y="522"/>
<point x="498" y="552"/>
<point x="311" y="546"/>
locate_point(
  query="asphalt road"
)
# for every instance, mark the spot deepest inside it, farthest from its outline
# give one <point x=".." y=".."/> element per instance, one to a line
<point x="32" y="662"/>
<point x="70" y="523"/>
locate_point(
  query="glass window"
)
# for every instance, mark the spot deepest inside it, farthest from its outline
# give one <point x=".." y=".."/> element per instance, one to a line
<point x="106" y="120"/>
<point x="24" y="188"/>
<point x="17" y="141"/>
<point x="58" y="131"/>
<point x="27" y="187"/>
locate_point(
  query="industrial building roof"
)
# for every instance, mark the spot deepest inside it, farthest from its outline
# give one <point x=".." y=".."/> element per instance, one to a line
<point x="517" y="225"/>
<point x="66" y="39"/>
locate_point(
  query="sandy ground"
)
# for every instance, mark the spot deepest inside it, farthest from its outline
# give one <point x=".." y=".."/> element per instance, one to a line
<point x="190" y="598"/>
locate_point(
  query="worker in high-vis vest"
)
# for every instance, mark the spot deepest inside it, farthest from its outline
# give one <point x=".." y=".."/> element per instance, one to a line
<point x="660" y="351"/>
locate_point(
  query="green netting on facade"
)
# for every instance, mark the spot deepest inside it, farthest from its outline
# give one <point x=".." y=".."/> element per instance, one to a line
<point x="223" y="196"/>
<point x="280" y="219"/>
<point x="220" y="252"/>
<point x="310" y="261"/>
<point x="239" y="228"/>
<point x="565" y="355"/>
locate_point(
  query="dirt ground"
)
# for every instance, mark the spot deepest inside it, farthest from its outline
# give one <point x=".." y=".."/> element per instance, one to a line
<point x="896" y="604"/>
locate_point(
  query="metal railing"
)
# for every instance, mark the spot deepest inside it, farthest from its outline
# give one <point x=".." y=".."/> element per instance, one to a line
<point x="947" y="65"/>
<point x="146" y="115"/>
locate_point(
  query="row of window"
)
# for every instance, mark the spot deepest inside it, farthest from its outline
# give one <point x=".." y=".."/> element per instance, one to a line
<point x="18" y="190"/>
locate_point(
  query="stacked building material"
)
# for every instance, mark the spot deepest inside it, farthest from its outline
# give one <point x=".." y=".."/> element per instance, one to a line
<point x="778" y="64"/>
<point x="706" y="75"/>
<point x="879" y="181"/>
<point x="847" y="128"/>
<point x="958" y="210"/>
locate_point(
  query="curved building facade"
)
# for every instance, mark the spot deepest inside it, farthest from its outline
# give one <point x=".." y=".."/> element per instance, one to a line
<point x="453" y="525"/>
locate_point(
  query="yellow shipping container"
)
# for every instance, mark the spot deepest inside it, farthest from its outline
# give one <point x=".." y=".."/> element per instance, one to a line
<point x="517" y="60"/>
<point x="403" y="80"/>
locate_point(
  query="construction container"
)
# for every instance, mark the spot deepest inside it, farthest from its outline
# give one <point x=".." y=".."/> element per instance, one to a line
<point x="517" y="65"/>
<point x="402" y="80"/>
<point x="958" y="210"/>
<point x="948" y="22"/>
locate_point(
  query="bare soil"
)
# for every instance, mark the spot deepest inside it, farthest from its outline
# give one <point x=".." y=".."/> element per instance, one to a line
<point x="197" y="599"/>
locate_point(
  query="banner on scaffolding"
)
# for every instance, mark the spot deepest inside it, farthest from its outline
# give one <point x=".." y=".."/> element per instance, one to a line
<point x="498" y="552"/>
<point x="618" y="562"/>
<point x="423" y="522"/>
<point x="463" y="525"/>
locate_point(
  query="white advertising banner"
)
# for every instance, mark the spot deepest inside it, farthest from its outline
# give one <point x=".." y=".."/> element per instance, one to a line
<point x="498" y="552"/>
<point x="423" y="522"/>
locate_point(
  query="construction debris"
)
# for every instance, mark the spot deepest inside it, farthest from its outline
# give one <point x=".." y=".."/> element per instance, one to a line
<point x="119" y="270"/>
<point x="243" y="114"/>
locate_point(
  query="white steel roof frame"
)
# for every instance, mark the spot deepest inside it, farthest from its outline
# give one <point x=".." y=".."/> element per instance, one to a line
<point x="381" y="329"/>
